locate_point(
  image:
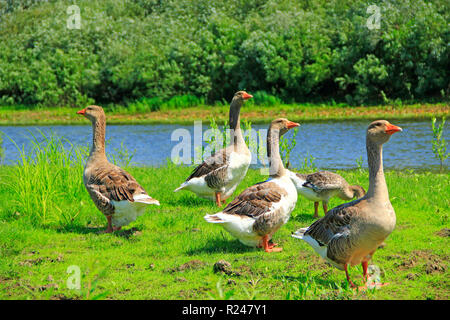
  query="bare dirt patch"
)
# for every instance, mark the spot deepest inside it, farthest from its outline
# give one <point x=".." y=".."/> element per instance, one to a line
<point x="443" y="233"/>
<point x="39" y="260"/>
<point x="429" y="263"/>
<point x="194" y="293"/>
<point x="190" y="265"/>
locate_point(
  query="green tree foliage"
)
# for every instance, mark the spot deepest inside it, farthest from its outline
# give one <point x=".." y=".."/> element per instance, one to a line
<point x="294" y="50"/>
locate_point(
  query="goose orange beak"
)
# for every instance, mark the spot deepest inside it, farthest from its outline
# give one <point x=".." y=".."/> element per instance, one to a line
<point x="82" y="111"/>
<point x="291" y="124"/>
<point x="246" y="96"/>
<point x="391" y="129"/>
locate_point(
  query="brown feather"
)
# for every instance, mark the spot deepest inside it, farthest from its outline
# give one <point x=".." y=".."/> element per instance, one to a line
<point x="255" y="200"/>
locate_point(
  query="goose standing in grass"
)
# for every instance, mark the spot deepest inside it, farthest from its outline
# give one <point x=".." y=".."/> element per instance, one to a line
<point x="259" y="211"/>
<point x="322" y="186"/>
<point x="350" y="233"/>
<point x="114" y="191"/>
<point x="217" y="177"/>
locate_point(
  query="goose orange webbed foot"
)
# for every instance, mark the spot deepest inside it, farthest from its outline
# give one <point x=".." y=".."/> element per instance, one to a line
<point x="273" y="249"/>
<point x="269" y="245"/>
<point x="373" y="285"/>
<point x="109" y="228"/>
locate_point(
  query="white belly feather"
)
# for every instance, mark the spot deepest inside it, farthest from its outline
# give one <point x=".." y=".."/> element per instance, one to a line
<point x="308" y="193"/>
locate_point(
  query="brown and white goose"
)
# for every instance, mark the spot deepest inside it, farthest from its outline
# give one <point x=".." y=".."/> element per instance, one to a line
<point x="114" y="191"/>
<point x="322" y="186"/>
<point x="217" y="177"/>
<point x="259" y="211"/>
<point x="350" y="233"/>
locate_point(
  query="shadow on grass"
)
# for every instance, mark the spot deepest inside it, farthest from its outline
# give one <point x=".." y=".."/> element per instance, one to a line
<point x="80" y="229"/>
<point x="126" y="233"/>
<point x="218" y="245"/>
<point x="306" y="218"/>
<point x="188" y="200"/>
<point x="305" y="278"/>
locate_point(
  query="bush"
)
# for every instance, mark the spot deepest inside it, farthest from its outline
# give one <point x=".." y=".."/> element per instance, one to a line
<point x="146" y="52"/>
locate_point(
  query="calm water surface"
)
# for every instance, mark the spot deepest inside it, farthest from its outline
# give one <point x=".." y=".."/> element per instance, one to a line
<point x="334" y="145"/>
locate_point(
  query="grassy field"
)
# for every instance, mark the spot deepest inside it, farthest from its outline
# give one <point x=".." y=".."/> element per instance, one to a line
<point x="253" y="113"/>
<point x="48" y="223"/>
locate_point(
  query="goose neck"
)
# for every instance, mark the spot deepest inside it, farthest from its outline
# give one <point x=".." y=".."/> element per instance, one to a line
<point x="235" y="123"/>
<point x="377" y="182"/>
<point x="98" y="139"/>
<point x="276" y="168"/>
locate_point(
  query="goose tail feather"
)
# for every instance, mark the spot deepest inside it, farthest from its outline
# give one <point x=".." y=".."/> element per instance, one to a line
<point x="214" y="218"/>
<point x="146" y="199"/>
<point x="180" y="187"/>
<point x="300" y="233"/>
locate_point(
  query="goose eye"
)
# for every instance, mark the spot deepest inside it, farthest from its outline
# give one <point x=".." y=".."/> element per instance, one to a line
<point x="375" y="125"/>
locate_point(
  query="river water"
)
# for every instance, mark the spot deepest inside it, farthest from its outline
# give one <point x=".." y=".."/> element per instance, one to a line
<point x="332" y="144"/>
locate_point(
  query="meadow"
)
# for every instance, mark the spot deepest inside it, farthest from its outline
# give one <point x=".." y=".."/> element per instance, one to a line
<point x="183" y="112"/>
<point x="149" y="61"/>
<point x="48" y="224"/>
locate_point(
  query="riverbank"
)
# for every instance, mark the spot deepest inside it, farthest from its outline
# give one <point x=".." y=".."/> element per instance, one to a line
<point x="255" y="114"/>
<point x="169" y="253"/>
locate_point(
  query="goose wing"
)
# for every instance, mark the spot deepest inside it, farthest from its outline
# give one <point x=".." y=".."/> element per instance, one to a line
<point x="256" y="200"/>
<point x="114" y="183"/>
<point x="212" y="165"/>
<point x="335" y="232"/>
<point x="323" y="180"/>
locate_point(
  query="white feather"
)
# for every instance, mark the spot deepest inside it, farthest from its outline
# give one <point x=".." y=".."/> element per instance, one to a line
<point x="126" y="212"/>
<point x="308" y="193"/>
<point x="241" y="227"/>
<point x="321" y="250"/>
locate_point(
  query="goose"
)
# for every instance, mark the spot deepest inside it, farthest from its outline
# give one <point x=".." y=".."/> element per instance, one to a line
<point x="218" y="176"/>
<point x="260" y="210"/>
<point x="349" y="234"/>
<point x="322" y="186"/>
<point x="114" y="191"/>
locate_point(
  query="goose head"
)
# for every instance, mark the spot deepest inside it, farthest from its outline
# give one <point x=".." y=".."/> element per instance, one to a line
<point x="242" y="96"/>
<point x="235" y="107"/>
<point x="92" y="112"/>
<point x="282" y="125"/>
<point x="358" y="191"/>
<point x="380" y="131"/>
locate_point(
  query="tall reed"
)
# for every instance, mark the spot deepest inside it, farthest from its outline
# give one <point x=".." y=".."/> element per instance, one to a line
<point x="2" y="150"/>
<point x="47" y="180"/>
<point x="439" y="144"/>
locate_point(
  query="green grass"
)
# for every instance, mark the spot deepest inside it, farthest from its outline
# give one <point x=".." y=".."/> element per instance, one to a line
<point x="169" y="253"/>
<point x="145" y="112"/>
